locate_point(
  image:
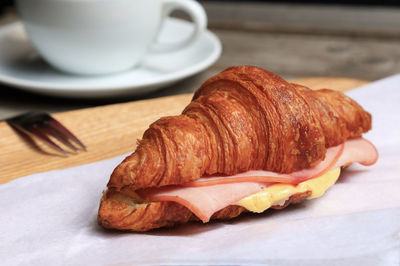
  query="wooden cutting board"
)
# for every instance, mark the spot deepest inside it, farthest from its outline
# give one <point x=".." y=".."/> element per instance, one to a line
<point x="107" y="131"/>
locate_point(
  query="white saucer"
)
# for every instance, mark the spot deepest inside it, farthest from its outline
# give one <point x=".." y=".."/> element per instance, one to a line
<point x="21" y="67"/>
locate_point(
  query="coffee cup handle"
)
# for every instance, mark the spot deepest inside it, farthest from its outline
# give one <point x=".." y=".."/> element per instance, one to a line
<point x="196" y="13"/>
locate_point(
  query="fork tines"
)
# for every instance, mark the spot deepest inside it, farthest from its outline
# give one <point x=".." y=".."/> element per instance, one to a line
<point x="42" y="126"/>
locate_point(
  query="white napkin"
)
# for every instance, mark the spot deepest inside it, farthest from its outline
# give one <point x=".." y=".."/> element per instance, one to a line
<point x="50" y="218"/>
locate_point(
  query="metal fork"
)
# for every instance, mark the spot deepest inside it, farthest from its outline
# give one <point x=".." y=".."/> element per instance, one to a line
<point x="42" y="126"/>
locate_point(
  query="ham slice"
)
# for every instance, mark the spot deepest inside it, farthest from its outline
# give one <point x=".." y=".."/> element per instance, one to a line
<point x="204" y="201"/>
<point x="331" y="157"/>
<point x="216" y="193"/>
<point x="357" y="150"/>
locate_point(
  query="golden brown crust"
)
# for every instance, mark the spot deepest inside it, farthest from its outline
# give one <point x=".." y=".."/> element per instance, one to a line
<point x="120" y="211"/>
<point x="244" y="118"/>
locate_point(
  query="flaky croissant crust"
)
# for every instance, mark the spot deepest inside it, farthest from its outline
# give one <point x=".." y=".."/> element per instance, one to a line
<point x="121" y="211"/>
<point x="244" y="118"/>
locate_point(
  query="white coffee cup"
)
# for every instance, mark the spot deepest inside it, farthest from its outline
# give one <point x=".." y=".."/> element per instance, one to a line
<point x="92" y="37"/>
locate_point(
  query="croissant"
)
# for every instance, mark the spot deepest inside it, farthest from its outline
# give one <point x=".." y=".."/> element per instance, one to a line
<point x="242" y="119"/>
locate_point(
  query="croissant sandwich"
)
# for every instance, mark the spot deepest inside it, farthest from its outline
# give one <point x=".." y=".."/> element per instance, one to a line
<point x="248" y="141"/>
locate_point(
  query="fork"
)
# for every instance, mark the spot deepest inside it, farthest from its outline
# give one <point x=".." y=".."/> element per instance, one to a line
<point x="44" y="127"/>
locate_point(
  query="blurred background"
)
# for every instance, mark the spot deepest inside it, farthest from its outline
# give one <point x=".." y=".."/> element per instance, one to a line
<point x="294" y="39"/>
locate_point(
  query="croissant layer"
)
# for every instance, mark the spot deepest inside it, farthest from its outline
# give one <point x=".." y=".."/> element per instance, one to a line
<point x="123" y="212"/>
<point x="244" y="118"/>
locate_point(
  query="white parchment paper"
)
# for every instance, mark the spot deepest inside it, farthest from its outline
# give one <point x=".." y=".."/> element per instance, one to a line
<point x="50" y="218"/>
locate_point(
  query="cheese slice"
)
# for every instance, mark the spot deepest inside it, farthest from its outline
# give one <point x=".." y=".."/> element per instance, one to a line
<point x="278" y="194"/>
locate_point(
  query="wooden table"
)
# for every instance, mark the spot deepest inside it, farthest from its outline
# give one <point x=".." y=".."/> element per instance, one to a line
<point x="291" y="40"/>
